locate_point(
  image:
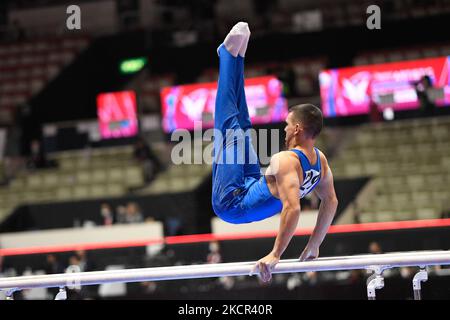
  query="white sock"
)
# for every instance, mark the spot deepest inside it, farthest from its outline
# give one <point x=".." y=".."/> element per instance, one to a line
<point x="236" y="37"/>
<point x="245" y="42"/>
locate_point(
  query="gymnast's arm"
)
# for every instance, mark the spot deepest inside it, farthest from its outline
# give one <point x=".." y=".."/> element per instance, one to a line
<point x="328" y="205"/>
<point x="287" y="171"/>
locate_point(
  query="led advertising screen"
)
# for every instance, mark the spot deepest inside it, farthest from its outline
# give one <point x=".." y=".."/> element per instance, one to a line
<point x="117" y="114"/>
<point x="184" y="105"/>
<point x="353" y="91"/>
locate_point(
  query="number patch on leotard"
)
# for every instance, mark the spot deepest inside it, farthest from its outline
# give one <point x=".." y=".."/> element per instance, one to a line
<point x="310" y="181"/>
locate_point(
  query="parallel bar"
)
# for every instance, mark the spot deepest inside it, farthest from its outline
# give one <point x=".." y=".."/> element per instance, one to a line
<point x="383" y="261"/>
<point x="233" y="264"/>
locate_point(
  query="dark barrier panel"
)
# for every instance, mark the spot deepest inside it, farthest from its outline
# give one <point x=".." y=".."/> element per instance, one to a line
<point x="181" y="213"/>
<point x="180" y="207"/>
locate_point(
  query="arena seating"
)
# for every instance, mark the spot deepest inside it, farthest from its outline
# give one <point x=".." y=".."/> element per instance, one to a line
<point x="85" y="174"/>
<point x="181" y="177"/>
<point x="27" y="66"/>
<point x="402" y="54"/>
<point x="409" y="161"/>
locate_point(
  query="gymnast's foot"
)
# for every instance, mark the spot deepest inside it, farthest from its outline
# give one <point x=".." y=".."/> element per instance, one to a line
<point x="237" y="39"/>
<point x="244" y="44"/>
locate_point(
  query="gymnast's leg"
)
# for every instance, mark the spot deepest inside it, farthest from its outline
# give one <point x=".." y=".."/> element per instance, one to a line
<point x="251" y="167"/>
<point x="228" y="171"/>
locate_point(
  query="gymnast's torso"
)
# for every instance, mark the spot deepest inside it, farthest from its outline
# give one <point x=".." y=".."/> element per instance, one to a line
<point x="311" y="164"/>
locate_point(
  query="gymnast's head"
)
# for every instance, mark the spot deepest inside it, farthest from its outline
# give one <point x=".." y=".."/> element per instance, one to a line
<point x="304" y="122"/>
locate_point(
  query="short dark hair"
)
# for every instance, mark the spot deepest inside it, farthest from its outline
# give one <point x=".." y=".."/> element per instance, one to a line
<point x="310" y="116"/>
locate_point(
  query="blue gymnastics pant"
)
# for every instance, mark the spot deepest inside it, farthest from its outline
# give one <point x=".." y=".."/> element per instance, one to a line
<point x="239" y="191"/>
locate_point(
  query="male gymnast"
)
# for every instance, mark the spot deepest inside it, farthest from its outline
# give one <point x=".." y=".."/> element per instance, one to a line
<point x="240" y="193"/>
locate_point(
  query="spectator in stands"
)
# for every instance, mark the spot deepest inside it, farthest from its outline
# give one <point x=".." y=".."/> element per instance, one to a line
<point x="84" y="263"/>
<point x="161" y="256"/>
<point x="375" y="248"/>
<point x="423" y="90"/>
<point x="107" y="214"/>
<point x="75" y="292"/>
<point x="5" y="269"/>
<point x="38" y="157"/>
<point x="133" y="213"/>
<point x="121" y="214"/>
<point x="87" y="265"/>
<point x="81" y="258"/>
<point x="214" y="255"/>
<point x="407" y="272"/>
<point x="52" y="265"/>
<point x="356" y="276"/>
<point x="445" y="214"/>
<point x="74" y="261"/>
<point x="145" y="155"/>
<point x="310" y="278"/>
<point x="293" y="281"/>
<point x="356" y="212"/>
<point x="174" y="226"/>
<point x="227" y="282"/>
<point x="148" y="287"/>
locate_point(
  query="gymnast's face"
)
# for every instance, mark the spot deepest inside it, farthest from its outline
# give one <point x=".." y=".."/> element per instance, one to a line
<point x="291" y="130"/>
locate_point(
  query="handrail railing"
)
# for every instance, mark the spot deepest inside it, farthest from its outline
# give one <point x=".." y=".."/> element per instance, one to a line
<point x="375" y="262"/>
